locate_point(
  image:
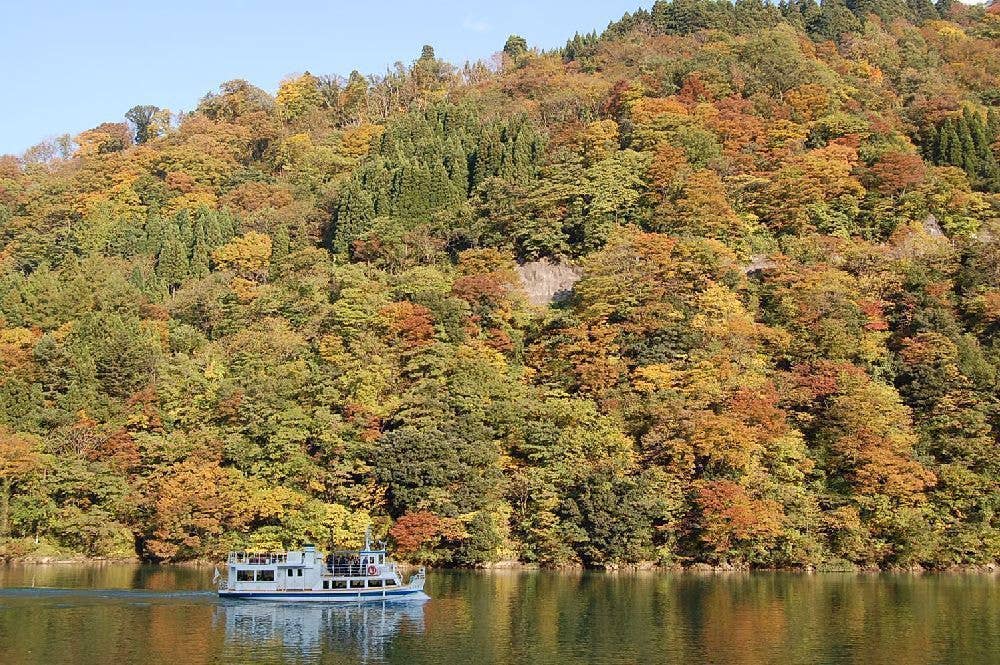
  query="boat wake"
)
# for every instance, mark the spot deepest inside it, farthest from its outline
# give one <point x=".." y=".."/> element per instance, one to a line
<point x="118" y="595"/>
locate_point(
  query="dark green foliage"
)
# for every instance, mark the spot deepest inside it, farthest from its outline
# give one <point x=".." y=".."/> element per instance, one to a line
<point x="615" y="518"/>
<point x="966" y="141"/>
<point x="430" y="161"/>
<point x="515" y="47"/>
<point x="172" y="259"/>
<point x="117" y="351"/>
<point x="141" y="117"/>
<point x="441" y="449"/>
<point x="887" y="10"/>
<point x="833" y="21"/>
<point x="580" y="47"/>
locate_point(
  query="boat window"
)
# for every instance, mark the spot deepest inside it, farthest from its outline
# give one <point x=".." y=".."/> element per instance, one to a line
<point x="298" y="572"/>
<point x="244" y="576"/>
<point x="265" y="575"/>
<point x="340" y="584"/>
<point x="289" y="572"/>
<point x="374" y="583"/>
<point x="326" y="584"/>
<point x="390" y="582"/>
<point x="357" y="584"/>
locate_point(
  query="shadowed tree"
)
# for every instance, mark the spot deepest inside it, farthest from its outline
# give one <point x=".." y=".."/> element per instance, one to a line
<point x="141" y="117"/>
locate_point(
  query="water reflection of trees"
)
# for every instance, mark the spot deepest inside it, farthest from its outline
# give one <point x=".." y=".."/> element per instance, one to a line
<point x="739" y="619"/>
<point x="509" y="617"/>
<point x="294" y="630"/>
<point x="106" y="575"/>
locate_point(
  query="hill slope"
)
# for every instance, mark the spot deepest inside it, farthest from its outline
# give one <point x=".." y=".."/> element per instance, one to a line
<point x="279" y="318"/>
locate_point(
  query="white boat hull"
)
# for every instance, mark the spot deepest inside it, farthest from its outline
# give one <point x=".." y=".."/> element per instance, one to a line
<point x="329" y="596"/>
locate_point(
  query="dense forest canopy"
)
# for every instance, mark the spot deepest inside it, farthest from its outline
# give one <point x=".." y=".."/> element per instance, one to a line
<point x="279" y="318"/>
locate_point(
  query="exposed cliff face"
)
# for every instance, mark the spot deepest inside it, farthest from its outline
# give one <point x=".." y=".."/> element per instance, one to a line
<point x="547" y="282"/>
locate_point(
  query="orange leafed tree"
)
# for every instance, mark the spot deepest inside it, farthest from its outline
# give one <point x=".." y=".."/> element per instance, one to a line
<point x="896" y="172"/>
<point x="731" y="518"/>
<point x="423" y="530"/>
<point x="412" y="324"/>
<point x="874" y="442"/>
<point x="700" y="208"/>
<point x="193" y="504"/>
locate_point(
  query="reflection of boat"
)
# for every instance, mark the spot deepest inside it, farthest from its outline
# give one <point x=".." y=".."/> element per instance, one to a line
<point x="360" y="629"/>
<point x="306" y="575"/>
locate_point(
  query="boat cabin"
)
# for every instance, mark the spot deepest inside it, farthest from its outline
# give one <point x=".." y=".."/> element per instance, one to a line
<point x="310" y="570"/>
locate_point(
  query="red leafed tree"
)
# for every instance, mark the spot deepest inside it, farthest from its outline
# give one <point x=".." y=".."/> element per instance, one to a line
<point x="732" y="520"/>
<point x="417" y="533"/>
<point x="896" y="173"/>
<point x="484" y="291"/>
<point x="410" y="323"/>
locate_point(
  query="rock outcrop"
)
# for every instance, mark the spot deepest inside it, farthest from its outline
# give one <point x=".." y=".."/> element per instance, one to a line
<point x="547" y="282"/>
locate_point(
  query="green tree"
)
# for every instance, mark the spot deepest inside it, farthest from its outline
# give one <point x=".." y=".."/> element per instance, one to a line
<point x="172" y="264"/>
<point x="516" y="47"/>
<point x="20" y="456"/>
<point x="142" y="118"/>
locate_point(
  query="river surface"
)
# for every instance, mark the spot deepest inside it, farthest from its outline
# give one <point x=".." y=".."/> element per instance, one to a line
<point x="121" y="614"/>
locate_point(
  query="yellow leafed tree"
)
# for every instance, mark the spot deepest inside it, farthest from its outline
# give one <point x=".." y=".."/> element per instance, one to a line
<point x="248" y="256"/>
<point x="298" y="96"/>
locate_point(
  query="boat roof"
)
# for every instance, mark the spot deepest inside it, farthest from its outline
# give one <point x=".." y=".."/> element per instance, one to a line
<point x="277" y="552"/>
<point x="367" y="549"/>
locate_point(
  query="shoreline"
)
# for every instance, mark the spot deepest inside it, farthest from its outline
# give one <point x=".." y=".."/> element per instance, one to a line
<point x="518" y="566"/>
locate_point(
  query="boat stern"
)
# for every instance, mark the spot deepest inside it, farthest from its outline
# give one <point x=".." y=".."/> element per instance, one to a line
<point x="417" y="580"/>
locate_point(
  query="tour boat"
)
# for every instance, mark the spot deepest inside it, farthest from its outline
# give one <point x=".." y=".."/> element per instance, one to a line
<point x="308" y="575"/>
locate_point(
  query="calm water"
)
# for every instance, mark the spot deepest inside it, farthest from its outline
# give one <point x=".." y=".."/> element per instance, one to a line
<point x="123" y="614"/>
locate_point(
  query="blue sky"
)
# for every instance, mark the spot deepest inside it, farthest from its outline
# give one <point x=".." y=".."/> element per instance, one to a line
<point x="68" y="66"/>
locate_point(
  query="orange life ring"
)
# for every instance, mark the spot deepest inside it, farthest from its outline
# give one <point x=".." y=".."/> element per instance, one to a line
<point x="373" y="569"/>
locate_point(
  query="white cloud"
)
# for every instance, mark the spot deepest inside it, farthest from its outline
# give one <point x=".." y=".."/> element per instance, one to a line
<point x="475" y="24"/>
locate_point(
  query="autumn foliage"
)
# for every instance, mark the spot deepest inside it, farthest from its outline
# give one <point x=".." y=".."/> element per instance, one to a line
<point x="418" y="534"/>
<point x="718" y="285"/>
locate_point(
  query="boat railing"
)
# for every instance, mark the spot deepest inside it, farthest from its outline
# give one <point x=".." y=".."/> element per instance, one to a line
<point x="352" y="569"/>
<point x="257" y="558"/>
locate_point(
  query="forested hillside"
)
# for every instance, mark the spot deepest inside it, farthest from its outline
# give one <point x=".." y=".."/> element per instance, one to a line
<point x="276" y="319"/>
